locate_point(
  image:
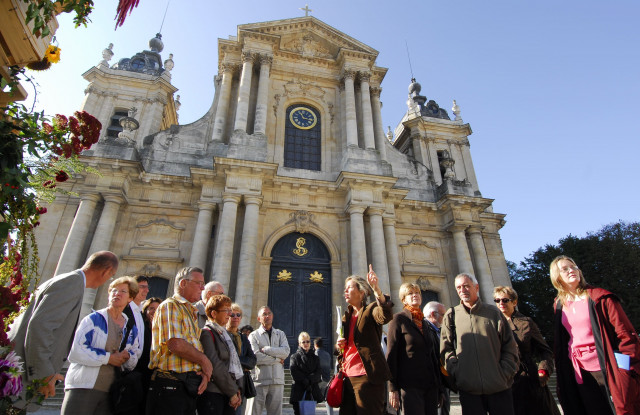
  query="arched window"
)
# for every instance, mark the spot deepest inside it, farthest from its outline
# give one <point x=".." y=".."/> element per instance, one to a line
<point x="302" y="143"/>
<point x="114" y="125"/>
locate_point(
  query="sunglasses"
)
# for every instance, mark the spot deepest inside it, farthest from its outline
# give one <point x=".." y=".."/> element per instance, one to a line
<point x="305" y="342"/>
<point x="502" y="300"/>
<point x="235" y="315"/>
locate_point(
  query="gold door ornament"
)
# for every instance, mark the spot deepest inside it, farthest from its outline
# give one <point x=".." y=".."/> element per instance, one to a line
<point x="300" y="249"/>
<point x="284" y="275"/>
<point x="316" y="277"/>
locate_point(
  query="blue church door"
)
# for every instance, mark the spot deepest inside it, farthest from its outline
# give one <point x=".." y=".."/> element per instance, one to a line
<point x="300" y="288"/>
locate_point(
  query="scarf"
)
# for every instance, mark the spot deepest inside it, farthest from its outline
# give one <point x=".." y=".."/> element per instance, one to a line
<point x="416" y="315"/>
<point x="234" y="364"/>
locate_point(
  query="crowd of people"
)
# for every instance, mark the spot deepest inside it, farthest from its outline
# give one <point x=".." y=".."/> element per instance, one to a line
<point x="188" y="353"/>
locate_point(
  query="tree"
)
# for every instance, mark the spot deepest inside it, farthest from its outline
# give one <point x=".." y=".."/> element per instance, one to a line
<point x="608" y="258"/>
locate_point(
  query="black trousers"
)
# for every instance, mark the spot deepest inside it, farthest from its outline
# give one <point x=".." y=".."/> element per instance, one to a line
<point x="169" y="397"/>
<point x="594" y="393"/>
<point x="500" y="403"/>
<point x="420" y="401"/>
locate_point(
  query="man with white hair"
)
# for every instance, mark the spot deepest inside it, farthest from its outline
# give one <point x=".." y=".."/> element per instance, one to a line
<point x="434" y="313"/>
<point x="210" y="289"/>
<point x="479" y="352"/>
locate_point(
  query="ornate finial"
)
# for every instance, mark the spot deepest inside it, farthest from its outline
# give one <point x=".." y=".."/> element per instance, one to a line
<point x="306" y="10"/>
<point x="107" y="54"/>
<point x="177" y="103"/>
<point x="456" y="111"/>
<point x="168" y="63"/>
<point x="132" y="112"/>
<point x="389" y="134"/>
<point x="129" y="125"/>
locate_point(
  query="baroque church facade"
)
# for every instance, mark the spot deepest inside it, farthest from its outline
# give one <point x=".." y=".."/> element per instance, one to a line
<point x="287" y="185"/>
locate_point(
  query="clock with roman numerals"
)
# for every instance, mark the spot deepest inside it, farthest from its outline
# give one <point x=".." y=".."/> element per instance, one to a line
<point x="303" y="118"/>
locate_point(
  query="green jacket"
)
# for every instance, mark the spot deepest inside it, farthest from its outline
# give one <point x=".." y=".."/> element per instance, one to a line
<point x="486" y="357"/>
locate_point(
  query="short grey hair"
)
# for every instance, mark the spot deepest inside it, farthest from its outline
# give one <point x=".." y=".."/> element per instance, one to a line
<point x="209" y="288"/>
<point x="470" y="276"/>
<point x="431" y="307"/>
<point x="184" y="274"/>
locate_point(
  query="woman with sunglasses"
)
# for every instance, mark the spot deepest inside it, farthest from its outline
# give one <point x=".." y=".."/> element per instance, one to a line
<point x="531" y="395"/>
<point x="243" y="347"/>
<point x="596" y="348"/>
<point x="306" y="374"/>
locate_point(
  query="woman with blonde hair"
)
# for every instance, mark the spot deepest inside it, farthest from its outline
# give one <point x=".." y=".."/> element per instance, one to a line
<point x="531" y="395"/>
<point x="412" y="357"/>
<point x="99" y="351"/>
<point x="360" y="353"/>
<point x="305" y="371"/>
<point x="597" y="350"/>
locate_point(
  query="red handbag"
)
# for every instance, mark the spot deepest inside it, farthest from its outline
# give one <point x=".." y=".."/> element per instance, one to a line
<point x="334" y="390"/>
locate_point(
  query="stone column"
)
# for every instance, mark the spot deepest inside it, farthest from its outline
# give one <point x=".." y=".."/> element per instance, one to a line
<point x="462" y="249"/>
<point x="378" y="249"/>
<point x="367" y="118"/>
<point x="224" y="242"/>
<point x="483" y="269"/>
<point x="260" y="125"/>
<point x="101" y="242"/>
<point x="378" y="132"/>
<point x="248" y="256"/>
<point x="73" y="246"/>
<point x="358" y="248"/>
<point x="350" y="109"/>
<point x="242" y="109"/>
<point x="223" y="101"/>
<point x="202" y="235"/>
<point x="393" y="260"/>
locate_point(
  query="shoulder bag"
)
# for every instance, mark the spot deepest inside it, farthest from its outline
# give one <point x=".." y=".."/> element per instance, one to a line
<point x="447" y="379"/>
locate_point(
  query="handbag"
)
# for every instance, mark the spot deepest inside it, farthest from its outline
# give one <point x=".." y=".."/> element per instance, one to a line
<point x="334" y="390"/>
<point x="249" y="387"/>
<point x="307" y="407"/>
<point x="125" y="393"/>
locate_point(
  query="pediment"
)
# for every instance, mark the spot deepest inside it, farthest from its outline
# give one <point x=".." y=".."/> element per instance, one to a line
<point x="306" y="36"/>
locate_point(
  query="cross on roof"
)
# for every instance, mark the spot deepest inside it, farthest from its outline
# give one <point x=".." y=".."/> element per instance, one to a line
<point x="306" y="9"/>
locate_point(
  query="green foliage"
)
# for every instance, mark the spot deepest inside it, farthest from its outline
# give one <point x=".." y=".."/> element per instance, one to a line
<point x="608" y="258"/>
<point x="42" y="11"/>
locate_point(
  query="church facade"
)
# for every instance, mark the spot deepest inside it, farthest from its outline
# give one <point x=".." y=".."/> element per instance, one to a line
<point x="287" y="185"/>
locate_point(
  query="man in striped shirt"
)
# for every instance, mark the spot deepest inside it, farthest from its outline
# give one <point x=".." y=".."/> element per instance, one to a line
<point x="181" y="370"/>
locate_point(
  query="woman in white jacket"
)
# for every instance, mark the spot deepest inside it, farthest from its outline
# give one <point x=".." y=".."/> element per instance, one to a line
<point x="95" y="357"/>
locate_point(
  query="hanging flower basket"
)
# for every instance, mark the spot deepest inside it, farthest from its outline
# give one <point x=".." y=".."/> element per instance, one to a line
<point x="41" y="65"/>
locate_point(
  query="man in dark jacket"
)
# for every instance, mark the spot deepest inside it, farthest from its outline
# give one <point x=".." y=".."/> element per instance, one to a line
<point x="325" y="367"/>
<point x="434" y="313"/>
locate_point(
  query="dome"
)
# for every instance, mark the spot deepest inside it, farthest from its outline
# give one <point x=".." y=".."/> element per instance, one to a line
<point x="156" y="44"/>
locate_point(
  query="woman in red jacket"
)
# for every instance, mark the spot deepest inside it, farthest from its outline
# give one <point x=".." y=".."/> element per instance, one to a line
<point x="597" y="350"/>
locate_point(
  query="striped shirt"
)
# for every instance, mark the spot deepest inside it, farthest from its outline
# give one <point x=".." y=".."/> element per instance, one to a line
<point x="175" y="318"/>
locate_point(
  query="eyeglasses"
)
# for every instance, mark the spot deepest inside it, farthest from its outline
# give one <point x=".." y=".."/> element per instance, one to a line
<point x="235" y="315"/>
<point x="116" y="291"/>
<point x="305" y="341"/>
<point x="502" y="300"/>
<point x="200" y="283"/>
<point x="143" y="287"/>
<point x="565" y="270"/>
<point x="224" y="310"/>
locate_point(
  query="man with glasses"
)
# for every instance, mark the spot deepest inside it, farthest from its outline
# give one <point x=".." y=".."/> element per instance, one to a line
<point x="483" y="356"/>
<point x="210" y="289"/>
<point x="434" y="313"/>
<point x="181" y="371"/>
<point x="271" y="348"/>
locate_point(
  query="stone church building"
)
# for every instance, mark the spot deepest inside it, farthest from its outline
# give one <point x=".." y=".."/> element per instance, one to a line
<point x="287" y="185"/>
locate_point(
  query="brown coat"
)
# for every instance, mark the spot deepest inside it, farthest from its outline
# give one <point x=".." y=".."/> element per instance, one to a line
<point x="367" y="336"/>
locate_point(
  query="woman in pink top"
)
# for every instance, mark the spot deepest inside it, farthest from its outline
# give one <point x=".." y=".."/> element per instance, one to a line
<point x="597" y="350"/>
<point x="360" y="353"/>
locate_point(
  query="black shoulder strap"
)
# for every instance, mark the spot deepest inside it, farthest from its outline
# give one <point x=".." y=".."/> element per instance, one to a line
<point x="130" y="323"/>
<point x="452" y="330"/>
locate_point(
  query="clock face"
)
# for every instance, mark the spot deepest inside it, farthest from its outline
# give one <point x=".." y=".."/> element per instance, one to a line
<point x="303" y="118"/>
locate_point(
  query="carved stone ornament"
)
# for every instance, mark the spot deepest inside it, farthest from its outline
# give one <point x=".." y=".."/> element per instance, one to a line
<point x="284" y="276"/>
<point x="307" y="46"/>
<point x="300" y="249"/>
<point x="302" y="219"/>
<point x="418" y="252"/>
<point x="303" y="88"/>
<point x="158" y="233"/>
<point x="316" y="277"/>
<point x="423" y="283"/>
<point x="151" y="268"/>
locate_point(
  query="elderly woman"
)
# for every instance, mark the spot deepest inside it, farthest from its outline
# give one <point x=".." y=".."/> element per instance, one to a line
<point x="360" y="353"/>
<point x="412" y="357"/>
<point x="98" y="351"/>
<point x="224" y="392"/>
<point x="531" y="395"/>
<point x="596" y="348"/>
<point x="305" y="371"/>
<point x="243" y="348"/>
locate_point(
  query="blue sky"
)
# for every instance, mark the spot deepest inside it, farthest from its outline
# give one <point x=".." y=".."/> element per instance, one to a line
<point x="550" y="88"/>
